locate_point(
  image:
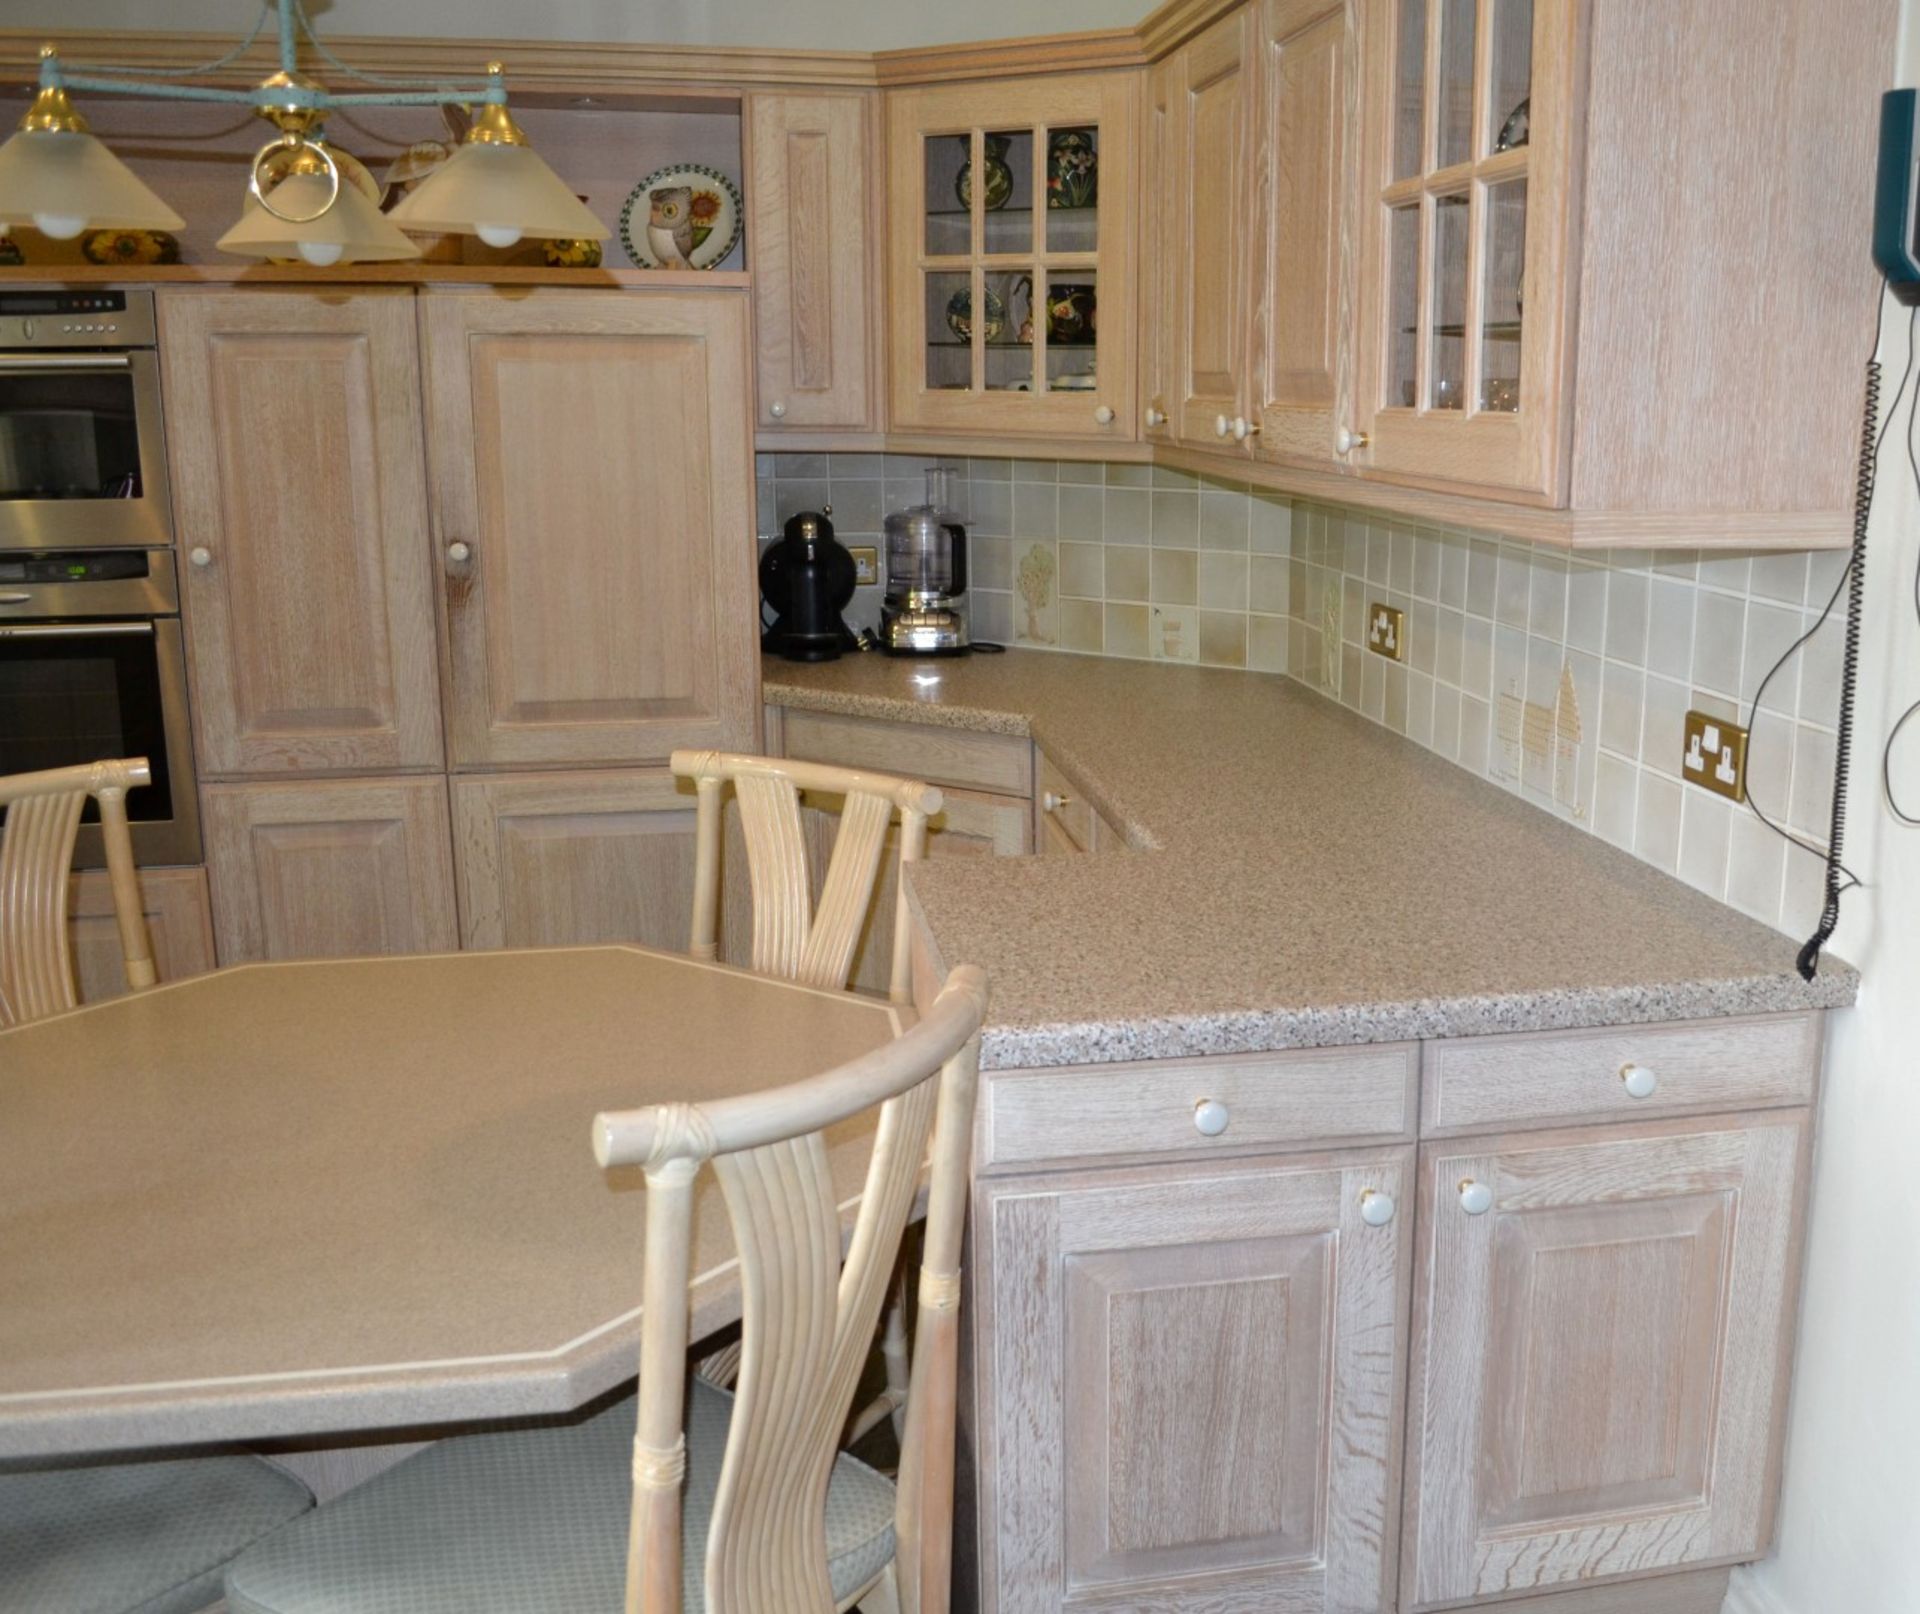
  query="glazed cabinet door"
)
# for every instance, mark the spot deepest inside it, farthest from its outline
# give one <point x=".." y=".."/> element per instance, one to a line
<point x="592" y="474"/>
<point x="1601" y="1327"/>
<point x="1188" y="1385"/>
<point x="1211" y="234"/>
<point x="1470" y="113"/>
<point x="179" y="923"/>
<point x="299" y="487"/>
<point x="1012" y="257"/>
<point x="1303" y="180"/>
<point x="815" y="238"/>
<point x="330" y="868"/>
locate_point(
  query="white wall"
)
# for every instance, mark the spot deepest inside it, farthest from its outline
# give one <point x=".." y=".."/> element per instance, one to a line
<point x="821" y="24"/>
<point x="1850" y="1518"/>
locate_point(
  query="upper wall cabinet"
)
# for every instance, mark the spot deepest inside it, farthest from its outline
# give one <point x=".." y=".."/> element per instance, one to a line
<point x="592" y="473"/>
<point x="1012" y="254"/>
<point x="1465" y="171"/>
<point x="1303" y="217"/>
<point x="1162" y="168"/>
<point x="1592" y="280"/>
<point x="815" y="194"/>
<point x="293" y="435"/>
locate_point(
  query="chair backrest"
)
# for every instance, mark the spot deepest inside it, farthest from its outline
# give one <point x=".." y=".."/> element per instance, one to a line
<point x="791" y="938"/>
<point x="807" y="1317"/>
<point x="36" y="850"/>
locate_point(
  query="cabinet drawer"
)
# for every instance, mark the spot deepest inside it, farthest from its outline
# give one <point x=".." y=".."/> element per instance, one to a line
<point x="1061" y="802"/>
<point x="1306" y="1098"/>
<point x="940" y="756"/>
<point x="1546" y="1078"/>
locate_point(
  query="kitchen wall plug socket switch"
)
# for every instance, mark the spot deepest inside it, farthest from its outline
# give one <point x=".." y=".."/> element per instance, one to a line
<point x="866" y="565"/>
<point x="1387" y="631"/>
<point x="1715" y="757"/>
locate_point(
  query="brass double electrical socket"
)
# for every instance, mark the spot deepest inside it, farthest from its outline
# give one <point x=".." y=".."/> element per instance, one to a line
<point x="1716" y="756"/>
<point x="866" y="565"/>
<point x="1387" y="631"/>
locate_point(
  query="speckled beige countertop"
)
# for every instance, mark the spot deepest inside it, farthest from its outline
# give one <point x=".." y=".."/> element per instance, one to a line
<point x="1302" y="878"/>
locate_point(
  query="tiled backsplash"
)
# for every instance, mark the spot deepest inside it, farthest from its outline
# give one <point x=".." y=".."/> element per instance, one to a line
<point x="1564" y="679"/>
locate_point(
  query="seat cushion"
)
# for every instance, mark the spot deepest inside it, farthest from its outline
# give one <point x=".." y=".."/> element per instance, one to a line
<point x="134" y="1538"/>
<point x="532" y="1521"/>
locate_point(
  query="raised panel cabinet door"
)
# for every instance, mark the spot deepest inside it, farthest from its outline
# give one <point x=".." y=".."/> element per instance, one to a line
<point x="331" y="868"/>
<point x="299" y="489"/>
<point x="1211" y="233"/>
<point x="1188" y="1386"/>
<point x="558" y="859"/>
<point x="1303" y="313"/>
<point x="969" y="824"/>
<point x="814" y="191"/>
<point x="1163" y="171"/>
<point x="179" y="921"/>
<point x="592" y="473"/>
<point x="1600" y="1361"/>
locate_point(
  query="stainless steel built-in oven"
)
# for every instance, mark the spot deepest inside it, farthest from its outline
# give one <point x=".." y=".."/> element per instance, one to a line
<point x="92" y="666"/>
<point x="83" y="464"/>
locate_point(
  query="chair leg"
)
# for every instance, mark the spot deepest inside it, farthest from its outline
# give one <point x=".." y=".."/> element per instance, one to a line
<point x="893" y="1351"/>
<point x="885" y="1596"/>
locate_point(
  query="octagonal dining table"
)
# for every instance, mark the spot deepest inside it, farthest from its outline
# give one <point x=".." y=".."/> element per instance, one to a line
<point x="309" y="1199"/>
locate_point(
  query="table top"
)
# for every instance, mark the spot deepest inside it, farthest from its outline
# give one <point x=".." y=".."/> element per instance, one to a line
<point x="286" y="1200"/>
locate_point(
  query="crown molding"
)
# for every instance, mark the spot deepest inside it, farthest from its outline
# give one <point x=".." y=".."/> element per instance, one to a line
<point x="1174" y="23"/>
<point x="1011" y="58"/>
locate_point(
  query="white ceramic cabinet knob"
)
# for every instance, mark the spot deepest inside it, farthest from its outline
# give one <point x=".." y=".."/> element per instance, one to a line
<point x="1640" y="1082"/>
<point x="1210" y="1117"/>
<point x="1376" y="1208"/>
<point x="1476" y="1198"/>
<point x="1103" y="416"/>
<point x="200" y="555"/>
<point x="1156" y="417"/>
<point x="1221" y="425"/>
<point x="777" y="409"/>
<point x="1242" y="428"/>
<point x="1345" y="440"/>
<point x="1053" y="801"/>
<point x="459" y="551"/>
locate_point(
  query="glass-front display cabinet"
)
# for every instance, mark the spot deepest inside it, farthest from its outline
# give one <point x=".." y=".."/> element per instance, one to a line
<point x="1012" y="258"/>
<point x="1465" y="186"/>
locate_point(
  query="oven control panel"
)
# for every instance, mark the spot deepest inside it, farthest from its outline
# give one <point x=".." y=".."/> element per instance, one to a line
<point x="62" y="319"/>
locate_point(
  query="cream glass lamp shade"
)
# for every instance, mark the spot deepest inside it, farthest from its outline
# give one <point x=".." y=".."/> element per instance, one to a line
<point x="353" y="230"/>
<point x="63" y="181"/>
<point x="500" y="193"/>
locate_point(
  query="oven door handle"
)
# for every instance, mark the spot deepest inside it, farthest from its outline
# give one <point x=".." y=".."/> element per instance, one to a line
<point x="12" y="365"/>
<point x="71" y="630"/>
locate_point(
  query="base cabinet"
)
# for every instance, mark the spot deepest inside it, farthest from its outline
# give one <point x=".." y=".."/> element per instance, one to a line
<point x="1601" y="1333"/>
<point x="179" y="924"/>
<point x="1197" y="1377"/>
<point x="330" y="868"/>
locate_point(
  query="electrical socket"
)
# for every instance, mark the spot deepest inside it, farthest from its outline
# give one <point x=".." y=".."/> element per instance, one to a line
<point x="866" y="565"/>
<point x="1387" y="631"/>
<point x="1715" y="757"/>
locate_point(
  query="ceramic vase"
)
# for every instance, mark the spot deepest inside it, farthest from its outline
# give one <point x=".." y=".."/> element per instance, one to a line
<point x="1073" y="169"/>
<point x="999" y="176"/>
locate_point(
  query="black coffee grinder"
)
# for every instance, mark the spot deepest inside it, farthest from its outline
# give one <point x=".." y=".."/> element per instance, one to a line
<point x="808" y="579"/>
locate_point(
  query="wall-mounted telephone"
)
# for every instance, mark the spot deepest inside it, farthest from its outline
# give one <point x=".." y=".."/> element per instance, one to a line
<point x="1896" y="197"/>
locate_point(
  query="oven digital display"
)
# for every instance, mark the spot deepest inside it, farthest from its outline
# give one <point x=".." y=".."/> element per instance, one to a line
<point x="63" y="302"/>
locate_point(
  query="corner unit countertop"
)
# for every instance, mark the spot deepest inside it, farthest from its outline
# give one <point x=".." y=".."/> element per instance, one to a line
<point x="1300" y="877"/>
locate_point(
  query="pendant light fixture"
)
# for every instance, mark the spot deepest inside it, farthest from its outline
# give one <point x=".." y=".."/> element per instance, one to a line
<point x="58" y="178"/>
<point x="497" y="187"/>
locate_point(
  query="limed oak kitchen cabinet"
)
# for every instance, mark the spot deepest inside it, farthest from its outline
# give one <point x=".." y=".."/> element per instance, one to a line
<point x="814" y="191"/>
<point x="978" y="245"/>
<point x="179" y="923"/>
<point x="294" y="444"/>
<point x="591" y="468"/>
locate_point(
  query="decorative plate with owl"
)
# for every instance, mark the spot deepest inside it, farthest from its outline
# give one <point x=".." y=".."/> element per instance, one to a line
<point x="684" y="217"/>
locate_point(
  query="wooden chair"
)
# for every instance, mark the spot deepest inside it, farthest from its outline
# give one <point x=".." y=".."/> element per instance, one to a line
<point x="791" y="938"/>
<point x="36" y="849"/>
<point x="700" y="1501"/>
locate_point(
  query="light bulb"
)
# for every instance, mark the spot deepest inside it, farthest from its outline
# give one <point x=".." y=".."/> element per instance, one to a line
<point x="59" y="226"/>
<point x="321" y="254"/>
<point x="497" y="235"/>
